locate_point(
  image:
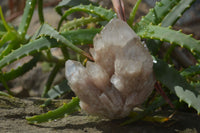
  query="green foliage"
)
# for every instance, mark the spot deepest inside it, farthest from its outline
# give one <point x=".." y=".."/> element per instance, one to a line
<point x="192" y="70"/>
<point x="157" y="14"/>
<point x="169" y="76"/>
<point x="66" y="109"/>
<point x="47" y="30"/>
<point x="76" y="23"/>
<point x="71" y="3"/>
<point x="5" y="94"/>
<point x="176" y="12"/>
<point x="28" y="49"/>
<point x="155" y="28"/>
<point x="168" y="35"/>
<point x="95" y="10"/>
<point x="133" y="13"/>
<point x="81" y="36"/>
<point x="27" y="16"/>
<point x="51" y="78"/>
<point x="14" y="73"/>
<point x="58" y="90"/>
<point x="189" y="97"/>
<point x="158" y="102"/>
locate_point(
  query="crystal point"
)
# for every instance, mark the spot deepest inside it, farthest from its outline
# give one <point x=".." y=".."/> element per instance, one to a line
<point x="121" y="76"/>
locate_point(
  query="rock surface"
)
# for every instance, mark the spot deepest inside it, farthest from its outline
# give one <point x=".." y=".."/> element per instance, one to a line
<point x="13" y="112"/>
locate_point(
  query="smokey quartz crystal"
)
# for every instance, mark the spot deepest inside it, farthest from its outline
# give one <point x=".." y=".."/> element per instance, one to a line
<point x="121" y="76"/>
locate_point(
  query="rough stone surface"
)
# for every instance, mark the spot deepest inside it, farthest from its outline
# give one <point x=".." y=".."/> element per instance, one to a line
<point x="121" y="76"/>
<point x="13" y="112"/>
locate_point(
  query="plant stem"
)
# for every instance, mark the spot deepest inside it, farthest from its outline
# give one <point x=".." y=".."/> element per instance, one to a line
<point x="5" y="84"/>
<point x="65" y="53"/>
<point x="4" y="21"/>
<point x="5" y="94"/>
<point x="169" y="51"/>
<point x="133" y="13"/>
<point x="51" y="79"/>
<point x="119" y="9"/>
<point x="40" y="11"/>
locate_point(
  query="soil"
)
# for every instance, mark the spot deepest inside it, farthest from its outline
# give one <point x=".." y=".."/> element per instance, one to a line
<point x="13" y="112"/>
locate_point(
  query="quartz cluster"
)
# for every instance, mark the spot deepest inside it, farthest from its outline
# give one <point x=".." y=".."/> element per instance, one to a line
<point x="121" y="76"/>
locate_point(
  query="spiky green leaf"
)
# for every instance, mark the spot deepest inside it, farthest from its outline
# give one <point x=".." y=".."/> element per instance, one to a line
<point x="156" y="14"/>
<point x="79" y="22"/>
<point x="71" y="3"/>
<point x="58" y="90"/>
<point x="158" y="102"/>
<point x="5" y="94"/>
<point x="51" y="79"/>
<point x="95" y="10"/>
<point x="192" y="70"/>
<point x="81" y="36"/>
<point x="189" y="97"/>
<point x="28" y="49"/>
<point x="66" y="109"/>
<point x="169" y="76"/>
<point x="21" y="69"/>
<point x="176" y="12"/>
<point x="171" y="36"/>
<point x="2" y="27"/>
<point x="47" y="30"/>
<point x="27" y="16"/>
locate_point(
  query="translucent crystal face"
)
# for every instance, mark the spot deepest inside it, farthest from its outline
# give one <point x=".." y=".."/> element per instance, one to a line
<point x="121" y="76"/>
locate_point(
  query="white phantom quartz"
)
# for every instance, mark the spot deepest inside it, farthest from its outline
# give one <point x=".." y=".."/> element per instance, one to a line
<point x="121" y="76"/>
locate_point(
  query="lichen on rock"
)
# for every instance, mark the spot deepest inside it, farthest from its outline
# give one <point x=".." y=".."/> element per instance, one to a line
<point x="121" y="76"/>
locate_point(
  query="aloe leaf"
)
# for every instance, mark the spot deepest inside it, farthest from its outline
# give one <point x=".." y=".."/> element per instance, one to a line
<point x="39" y="45"/>
<point x="177" y="84"/>
<point x="6" y="26"/>
<point x="3" y="81"/>
<point x="171" y="18"/>
<point x="47" y="30"/>
<point x="7" y="48"/>
<point x="2" y="33"/>
<point x="5" y="94"/>
<point x="81" y="36"/>
<point x="27" y="16"/>
<point x="46" y="103"/>
<point x="133" y="13"/>
<point x="158" y="102"/>
<point x="2" y="27"/>
<point x="3" y="48"/>
<point x="9" y="36"/>
<point x="189" y="97"/>
<point x="171" y="36"/>
<point x="22" y="69"/>
<point x="98" y="11"/>
<point x="66" y="109"/>
<point x="192" y="70"/>
<point x="71" y="3"/>
<point x="51" y="79"/>
<point x="79" y="22"/>
<point x="170" y="77"/>
<point x="196" y="85"/>
<point x="176" y="12"/>
<point x="58" y="90"/>
<point x="156" y="14"/>
<point x="28" y="49"/>
<point x="40" y="11"/>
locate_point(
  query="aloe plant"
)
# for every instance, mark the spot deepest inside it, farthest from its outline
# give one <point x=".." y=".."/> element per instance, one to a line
<point x="154" y="27"/>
